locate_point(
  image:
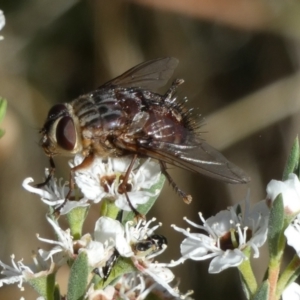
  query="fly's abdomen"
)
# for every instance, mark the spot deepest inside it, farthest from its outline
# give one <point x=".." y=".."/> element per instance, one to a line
<point x="167" y="124"/>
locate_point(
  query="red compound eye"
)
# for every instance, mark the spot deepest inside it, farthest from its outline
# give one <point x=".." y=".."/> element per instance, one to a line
<point x="66" y="133"/>
<point x="56" y="111"/>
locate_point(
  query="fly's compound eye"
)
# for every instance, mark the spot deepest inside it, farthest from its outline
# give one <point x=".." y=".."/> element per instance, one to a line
<point x="56" y="111"/>
<point x="66" y="133"/>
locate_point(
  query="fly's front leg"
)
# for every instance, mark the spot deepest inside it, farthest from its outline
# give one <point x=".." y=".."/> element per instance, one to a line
<point x="87" y="161"/>
<point x="186" y="197"/>
<point x="50" y="175"/>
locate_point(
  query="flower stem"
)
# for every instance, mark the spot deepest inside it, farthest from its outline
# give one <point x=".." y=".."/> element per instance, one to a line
<point x="109" y="209"/>
<point x="274" y="267"/>
<point x="247" y="274"/>
<point x="289" y="275"/>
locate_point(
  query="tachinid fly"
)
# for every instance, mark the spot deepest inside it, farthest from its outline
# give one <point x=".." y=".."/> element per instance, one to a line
<point x="126" y="116"/>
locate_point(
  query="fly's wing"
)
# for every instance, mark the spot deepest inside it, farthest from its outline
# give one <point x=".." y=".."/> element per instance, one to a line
<point x="150" y="75"/>
<point x="199" y="157"/>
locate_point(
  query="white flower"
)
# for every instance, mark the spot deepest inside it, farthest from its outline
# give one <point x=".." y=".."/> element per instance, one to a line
<point x="292" y="292"/>
<point x="125" y="239"/>
<point x="292" y="234"/>
<point x="142" y="237"/>
<point x="108" y="235"/>
<point x="2" y="22"/>
<point x="103" y="178"/>
<point x="228" y="234"/>
<point x="138" y="286"/>
<point x="54" y="194"/>
<point x="290" y="190"/>
<point x="106" y="294"/>
<point x="134" y="286"/>
<point x="63" y="249"/>
<point x="140" y="244"/>
<point x="98" y="249"/>
<point x="110" y="230"/>
<point x="20" y="272"/>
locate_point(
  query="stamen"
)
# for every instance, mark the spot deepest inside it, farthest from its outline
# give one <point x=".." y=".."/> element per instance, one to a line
<point x="233" y="238"/>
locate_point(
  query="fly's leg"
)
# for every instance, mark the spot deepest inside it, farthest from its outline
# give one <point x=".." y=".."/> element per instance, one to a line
<point x="50" y="175"/>
<point x="172" y="90"/>
<point x="186" y="197"/>
<point x="84" y="164"/>
<point x="71" y="189"/>
<point x="123" y="187"/>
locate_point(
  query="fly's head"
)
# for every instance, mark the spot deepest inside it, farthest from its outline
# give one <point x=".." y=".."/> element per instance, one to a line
<point x="60" y="133"/>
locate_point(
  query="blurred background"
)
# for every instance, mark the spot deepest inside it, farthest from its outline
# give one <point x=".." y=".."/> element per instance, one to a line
<point x="240" y="62"/>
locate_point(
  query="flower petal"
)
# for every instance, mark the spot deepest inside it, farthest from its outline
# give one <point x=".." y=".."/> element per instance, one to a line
<point x="230" y="258"/>
<point x="292" y="292"/>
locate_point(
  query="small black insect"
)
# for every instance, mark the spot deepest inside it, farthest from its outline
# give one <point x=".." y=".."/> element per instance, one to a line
<point x="150" y="245"/>
<point x="105" y="271"/>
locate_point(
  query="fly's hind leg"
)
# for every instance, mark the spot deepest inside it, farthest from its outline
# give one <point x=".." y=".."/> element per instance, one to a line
<point x="186" y="197"/>
<point x="172" y="90"/>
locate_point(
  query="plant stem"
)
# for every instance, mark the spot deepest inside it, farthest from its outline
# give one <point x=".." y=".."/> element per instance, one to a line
<point x="274" y="266"/>
<point x="248" y="275"/>
<point x="274" y="269"/>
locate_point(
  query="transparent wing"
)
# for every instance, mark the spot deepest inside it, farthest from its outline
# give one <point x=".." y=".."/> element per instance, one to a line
<point x="200" y="158"/>
<point x="151" y="74"/>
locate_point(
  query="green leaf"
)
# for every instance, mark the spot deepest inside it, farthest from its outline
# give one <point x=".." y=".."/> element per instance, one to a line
<point x="44" y="285"/>
<point x="144" y="208"/>
<point x="263" y="292"/>
<point x="292" y="164"/>
<point x="122" y="266"/>
<point x="245" y="287"/>
<point x="57" y="293"/>
<point x="78" y="279"/>
<point x="276" y="224"/>
<point x="3" y="106"/>
<point x="76" y="218"/>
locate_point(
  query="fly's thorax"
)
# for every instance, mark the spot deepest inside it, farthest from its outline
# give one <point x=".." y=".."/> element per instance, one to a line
<point x="99" y="112"/>
<point x="61" y="131"/>
<point x="100" y="118"/>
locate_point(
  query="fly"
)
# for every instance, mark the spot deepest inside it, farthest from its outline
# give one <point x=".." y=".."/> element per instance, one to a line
<point x="126" y="116"/>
